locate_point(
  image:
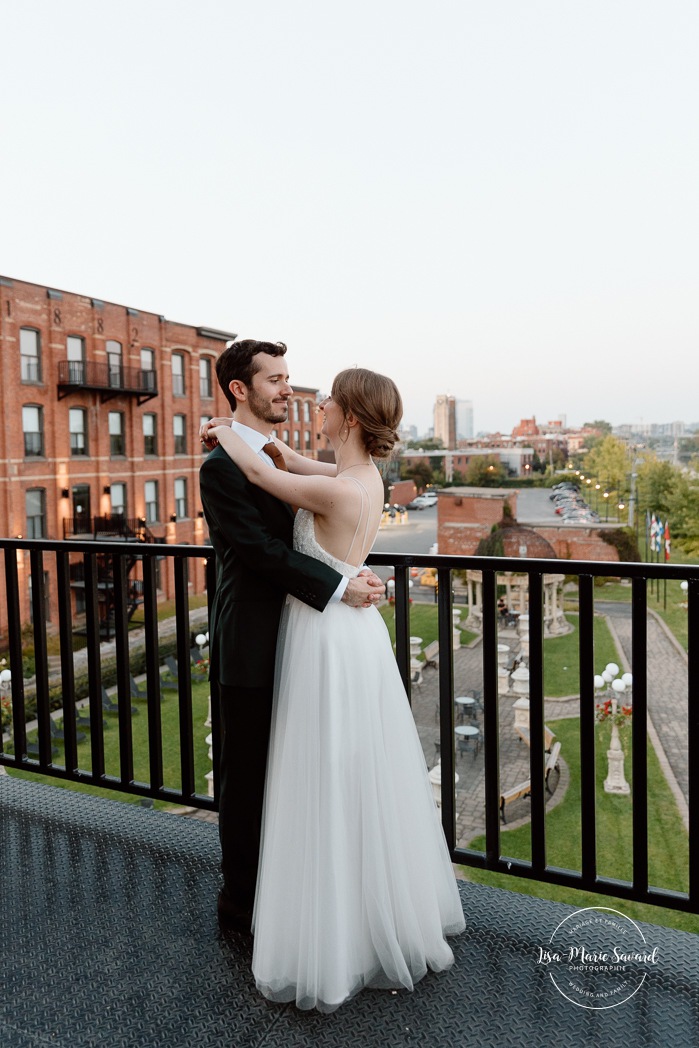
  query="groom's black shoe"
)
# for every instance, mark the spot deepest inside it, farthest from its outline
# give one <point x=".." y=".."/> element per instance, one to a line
<point x="232" y="917"/>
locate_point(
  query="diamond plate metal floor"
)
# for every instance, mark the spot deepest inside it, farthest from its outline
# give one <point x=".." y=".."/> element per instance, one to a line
<point x="109" y="940"/>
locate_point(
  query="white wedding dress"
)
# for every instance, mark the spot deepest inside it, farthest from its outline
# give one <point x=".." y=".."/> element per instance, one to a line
<point x="355" y="885"/>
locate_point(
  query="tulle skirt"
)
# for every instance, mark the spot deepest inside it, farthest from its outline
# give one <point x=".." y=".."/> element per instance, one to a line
<point x="355" y="885"/>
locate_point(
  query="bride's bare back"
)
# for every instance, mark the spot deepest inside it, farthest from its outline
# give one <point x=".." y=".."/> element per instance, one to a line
<point x="348" y="526"/>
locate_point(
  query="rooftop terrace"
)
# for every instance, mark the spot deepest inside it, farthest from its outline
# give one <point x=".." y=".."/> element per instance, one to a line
<point x="109" y="938"/>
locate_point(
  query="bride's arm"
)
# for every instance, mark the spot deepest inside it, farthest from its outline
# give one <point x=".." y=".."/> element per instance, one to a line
<point x="317" y="493"/>
<point x="306" y="467"/>
<point x="295" y="463"/>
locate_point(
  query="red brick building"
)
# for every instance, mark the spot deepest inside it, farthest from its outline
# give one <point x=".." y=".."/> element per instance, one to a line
<point x="467" y="515"/>
<point x="102" y="409"/>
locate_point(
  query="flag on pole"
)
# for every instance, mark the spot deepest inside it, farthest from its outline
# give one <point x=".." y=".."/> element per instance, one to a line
<point x="659" y="530"/>
<point x="667" y="540"/>
<point x="653" y="532"/>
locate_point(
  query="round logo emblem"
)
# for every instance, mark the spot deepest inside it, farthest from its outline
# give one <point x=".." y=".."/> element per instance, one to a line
<point x="598" y="958"/>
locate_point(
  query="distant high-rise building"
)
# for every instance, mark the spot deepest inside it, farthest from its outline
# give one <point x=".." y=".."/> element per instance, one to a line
<point x="445" y="420"/>
<point x="464" y="419"/>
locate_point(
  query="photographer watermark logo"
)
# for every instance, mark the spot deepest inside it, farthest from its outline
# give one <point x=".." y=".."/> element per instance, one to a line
<point x="598" y="958"/>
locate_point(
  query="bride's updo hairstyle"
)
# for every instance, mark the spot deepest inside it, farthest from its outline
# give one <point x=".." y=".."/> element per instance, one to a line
<point x="376" y="404"/>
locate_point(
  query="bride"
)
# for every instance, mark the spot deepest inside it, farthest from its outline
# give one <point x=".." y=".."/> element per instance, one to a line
<point x="355" y="885"/>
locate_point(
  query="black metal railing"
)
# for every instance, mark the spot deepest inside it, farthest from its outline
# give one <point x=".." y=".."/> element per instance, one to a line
<point x="491" y="858"/>
<point x="110" y="525"/>
<point x="106" y="378"/>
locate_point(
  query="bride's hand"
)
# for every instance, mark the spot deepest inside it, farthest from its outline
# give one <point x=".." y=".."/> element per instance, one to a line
<point x="206" y="437"/>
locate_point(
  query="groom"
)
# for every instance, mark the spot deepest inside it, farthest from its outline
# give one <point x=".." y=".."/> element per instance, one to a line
<point x="256" y="566"/>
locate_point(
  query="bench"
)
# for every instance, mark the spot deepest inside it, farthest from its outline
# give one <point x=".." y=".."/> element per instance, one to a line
<point x="552" y="765"/>
<point x="431" y="653"/>
<point x="523" y="790"/>
<point x="549" y="736"/>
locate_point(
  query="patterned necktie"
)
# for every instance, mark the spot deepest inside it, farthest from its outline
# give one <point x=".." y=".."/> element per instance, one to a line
<point x="277" y="458"/>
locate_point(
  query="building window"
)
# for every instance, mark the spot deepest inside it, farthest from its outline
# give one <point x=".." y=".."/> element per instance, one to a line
<point x="75" y="351"/>
<point x="35" y="509"/>
<point x="30" y="354"/>
<point x="307" y="440"/>
<point x="181" y="497"/>
<point x="77" y="424"/>
<point x="295" y="410"/>
<point x="151" y="499"/>
<point x="114" y="363"/>
<point x="306" y="411"/>
<point x="205" y="377"/>
<point x="147" y="368"/>
<point x="285" y="436"/>
<point x="33" y="426"/>
<point x="150" y="434"/>
<point x="178" y="385"/>
<point x="118" y="500"/>
<point x="297" y="440"/>
<point x="117" y="445"/>
<point x="179" y="424"/>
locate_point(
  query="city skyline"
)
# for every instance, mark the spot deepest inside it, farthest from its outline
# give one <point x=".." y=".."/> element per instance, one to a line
<point x="448" y="196"/>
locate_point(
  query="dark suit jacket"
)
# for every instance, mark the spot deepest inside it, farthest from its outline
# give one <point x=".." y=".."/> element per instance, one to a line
<point x="251" y="532"/>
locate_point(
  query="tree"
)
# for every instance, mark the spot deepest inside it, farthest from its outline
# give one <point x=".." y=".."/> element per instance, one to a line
<point x="485" y="471"/>
<point x="428" y="444"/>
<point x="655" y="483"/>
<point x="604" y="428"/>
<point x="420" y="472"/>
<point x="683" y="512"/>
<point x="609" y="462"/>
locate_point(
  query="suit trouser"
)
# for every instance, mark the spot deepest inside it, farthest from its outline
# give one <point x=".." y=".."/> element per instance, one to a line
<point x="245" y="727"/>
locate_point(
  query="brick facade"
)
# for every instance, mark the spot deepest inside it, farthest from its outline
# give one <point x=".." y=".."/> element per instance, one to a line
<point x="75" y="369"/>
<point x="467" y="515"/>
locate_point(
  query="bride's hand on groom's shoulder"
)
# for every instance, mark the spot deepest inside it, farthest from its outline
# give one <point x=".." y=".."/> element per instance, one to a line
<point x="205" y="436"/>
<point x="364" y="591"/>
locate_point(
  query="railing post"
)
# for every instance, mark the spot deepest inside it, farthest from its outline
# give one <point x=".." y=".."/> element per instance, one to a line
<point x="445" y="633"/>
<point x="491" y="719"/>
<point x="588" y="830"/>
<point x="693" y="738"/>
<point x="536" y="721"/>
<point x="639" y="733"/>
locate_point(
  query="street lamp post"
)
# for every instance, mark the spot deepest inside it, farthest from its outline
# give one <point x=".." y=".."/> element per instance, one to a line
<point x="614" y="686"/>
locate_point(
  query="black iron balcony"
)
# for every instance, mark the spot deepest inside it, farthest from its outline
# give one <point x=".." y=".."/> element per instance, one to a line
<point x="92" y="861"/>
<point x="107" y="379"/>
<point x="109" y="526"/>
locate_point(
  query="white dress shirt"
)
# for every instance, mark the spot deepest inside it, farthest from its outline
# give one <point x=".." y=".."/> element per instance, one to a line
<point x="256" y="440"/>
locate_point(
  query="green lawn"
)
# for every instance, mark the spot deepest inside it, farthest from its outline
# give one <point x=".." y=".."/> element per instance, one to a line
<point x="170" y="742"/>
<point x="667" y="838"/>
<point x="423" y="623"/>
<point x="561" y="657"/>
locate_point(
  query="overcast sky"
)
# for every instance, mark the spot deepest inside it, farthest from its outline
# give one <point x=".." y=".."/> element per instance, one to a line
<point x="495" y="199"/>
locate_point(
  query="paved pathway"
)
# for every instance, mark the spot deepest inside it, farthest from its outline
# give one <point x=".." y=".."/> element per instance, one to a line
<point x="514" y="753"/>
<point x="667" y="693"/>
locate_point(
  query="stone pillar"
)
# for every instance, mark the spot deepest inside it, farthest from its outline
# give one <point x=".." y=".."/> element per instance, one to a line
<point x="521" y="708"/>
<point x="520" y="681"/>
<point x="435" y="777"/>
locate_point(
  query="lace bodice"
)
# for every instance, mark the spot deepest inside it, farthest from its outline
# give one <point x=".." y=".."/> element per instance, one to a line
<point x="305" y="542"/>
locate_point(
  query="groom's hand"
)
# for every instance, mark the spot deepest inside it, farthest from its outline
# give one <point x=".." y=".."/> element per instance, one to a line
<point x="364" y="590"/>
<point x="208" y="441"/>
